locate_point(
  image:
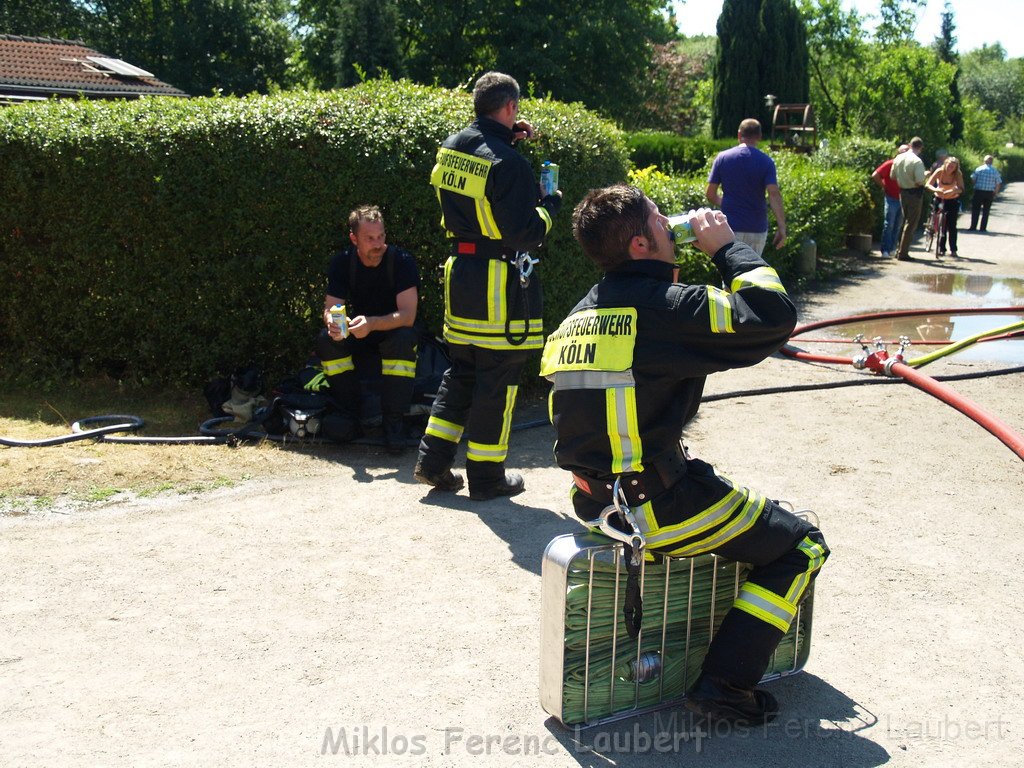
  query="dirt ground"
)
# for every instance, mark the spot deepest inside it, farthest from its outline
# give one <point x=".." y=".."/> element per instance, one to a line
<point x="263" y="622"/>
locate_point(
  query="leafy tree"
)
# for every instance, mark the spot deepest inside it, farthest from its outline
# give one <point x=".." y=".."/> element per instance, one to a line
<point x="45" y="18"/>
<point x="762" y="49"/>
<point x="315" y="22"/>
<point x="897" y="21"/>
<point x="994" y="82"/>
<point x="837" y="53"/>
<point x="234" y="46"/>
<point x="674" y="97"/>
<point x="600" y="57"/>
<point x="902" y="93"/>
<point x="887" y="89"/>
<point x="366" y="41"/>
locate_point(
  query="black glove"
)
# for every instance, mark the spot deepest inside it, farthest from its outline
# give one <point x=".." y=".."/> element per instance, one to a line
<point x="552" y="203"/>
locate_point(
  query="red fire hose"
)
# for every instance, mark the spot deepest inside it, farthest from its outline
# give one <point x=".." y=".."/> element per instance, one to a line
<point x="880" y="362"/>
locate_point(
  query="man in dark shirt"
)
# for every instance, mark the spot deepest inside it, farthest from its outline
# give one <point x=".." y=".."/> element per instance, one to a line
<point x="379" y="284"/>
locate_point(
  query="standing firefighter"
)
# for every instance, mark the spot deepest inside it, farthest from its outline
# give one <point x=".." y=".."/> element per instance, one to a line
<point x="628" y="367"/>
<point x="492" y="211"/>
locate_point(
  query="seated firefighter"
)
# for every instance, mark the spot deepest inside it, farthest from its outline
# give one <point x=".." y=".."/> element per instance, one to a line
<point x="628" y="367"/>
<point x="379" y="284"/>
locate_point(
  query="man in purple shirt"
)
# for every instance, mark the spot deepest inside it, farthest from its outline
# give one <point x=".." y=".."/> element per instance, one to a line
<point x="745" y="173"/>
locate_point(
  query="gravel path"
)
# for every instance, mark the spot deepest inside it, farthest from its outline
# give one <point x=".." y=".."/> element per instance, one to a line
<point x="259" y="624"/>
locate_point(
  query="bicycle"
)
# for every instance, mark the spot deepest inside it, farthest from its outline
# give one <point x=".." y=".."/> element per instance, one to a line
<point x="935" y="228"/>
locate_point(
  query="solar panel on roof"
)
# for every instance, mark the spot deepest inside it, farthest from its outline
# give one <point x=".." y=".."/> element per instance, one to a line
<point x="119" y="67"/>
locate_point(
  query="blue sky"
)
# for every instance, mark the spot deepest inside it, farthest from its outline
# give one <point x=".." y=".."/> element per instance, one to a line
<point x="977" y="21"/>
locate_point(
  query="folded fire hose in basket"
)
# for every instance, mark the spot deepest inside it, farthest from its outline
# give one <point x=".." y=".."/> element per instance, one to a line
<point x="595" y="668"/>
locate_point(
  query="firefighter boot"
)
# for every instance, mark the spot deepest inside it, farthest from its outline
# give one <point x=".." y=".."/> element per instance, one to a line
<point x="443" y="481"/>
<point x="718" y="700"/>
<point x="511" y="485"/>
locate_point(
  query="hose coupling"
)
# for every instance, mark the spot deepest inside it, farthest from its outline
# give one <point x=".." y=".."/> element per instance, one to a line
<point x="647" y="667"/>
<point x="887" y="368"/>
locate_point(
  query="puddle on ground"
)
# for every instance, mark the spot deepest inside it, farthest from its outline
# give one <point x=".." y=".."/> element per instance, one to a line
<point x="927" y="334"/>
<point x="991" y="291"/>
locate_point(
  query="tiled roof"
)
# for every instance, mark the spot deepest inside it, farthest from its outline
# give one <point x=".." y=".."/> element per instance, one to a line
<point x="35" y="66"/>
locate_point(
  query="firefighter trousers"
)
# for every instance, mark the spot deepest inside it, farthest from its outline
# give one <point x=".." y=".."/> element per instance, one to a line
<point x="476" y="397"/>
<point x="397" y="351"/>
<point x="704" y="512"/>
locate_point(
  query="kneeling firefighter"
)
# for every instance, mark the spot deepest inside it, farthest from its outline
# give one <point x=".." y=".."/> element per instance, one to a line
<point x="628" y="367"/>
<point x="380" y="285"/>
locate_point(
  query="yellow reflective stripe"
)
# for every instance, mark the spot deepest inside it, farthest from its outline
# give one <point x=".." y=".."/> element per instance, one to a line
<point x="486" y="452"/>
<point x="711" y="517"/>
<point x="646" y="516"/>
<point x="448" y="285"/>
<point x="739" y="524"/>
<point x="543" y="213"/>
<point x="403" y="368"/>
<point x="533" y="341"/>
<point x="766" y="606"/>
<point x="485" y="218"/>
<point x="483" y="326"/>
<point x="720" y="310"/>
<point x="761" y="277"/>
<point x="815" y="559"/>
<point x="341" y="365"/>
<point x="446" y="430"/>
<point x="496" y="291"/>
<point x="506" y="419"/>
<point x="623" y="430"/>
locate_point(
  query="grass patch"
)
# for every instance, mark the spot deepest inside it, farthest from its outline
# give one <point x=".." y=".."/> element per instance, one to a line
<point x="88" y="471"/>
<point x="100" y="494"/>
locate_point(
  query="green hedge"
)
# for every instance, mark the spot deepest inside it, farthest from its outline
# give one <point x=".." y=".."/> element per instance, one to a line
<point x="1010" y="162"/>
<point x="163" y="240"/>
<point x="673" y="153"/>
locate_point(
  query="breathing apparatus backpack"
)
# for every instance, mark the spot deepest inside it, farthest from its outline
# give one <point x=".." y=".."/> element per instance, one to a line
<point x="301" y="407"/>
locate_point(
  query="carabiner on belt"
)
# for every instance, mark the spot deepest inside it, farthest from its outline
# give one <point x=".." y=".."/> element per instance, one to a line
<point x="524" y="263"/>
<point x="620" y="509"/>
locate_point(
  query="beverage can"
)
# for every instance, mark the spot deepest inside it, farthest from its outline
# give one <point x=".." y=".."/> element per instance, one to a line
<point x="339" y="318"/>
<point x="548" y="178"/>
<point x="680" y="230"/>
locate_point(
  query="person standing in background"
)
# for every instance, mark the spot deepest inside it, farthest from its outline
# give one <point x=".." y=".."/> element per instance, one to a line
<point x="893" y="216"/>
<point x="947" y="183"/>
<point x="987" y="183"/>
<point x="745" y="173"/>
<point x="908" y="170"/>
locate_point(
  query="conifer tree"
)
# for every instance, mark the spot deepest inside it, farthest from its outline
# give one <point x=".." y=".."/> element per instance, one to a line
<point x="762" y="49"/>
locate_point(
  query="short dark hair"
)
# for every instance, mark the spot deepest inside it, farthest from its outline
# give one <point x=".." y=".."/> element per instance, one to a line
<point x="606" y="221"/>
<point x="917" y="143"/>
<point x="750" y="128"/>
<point x="493" y="90"/>
<point x="361" y="214"/>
